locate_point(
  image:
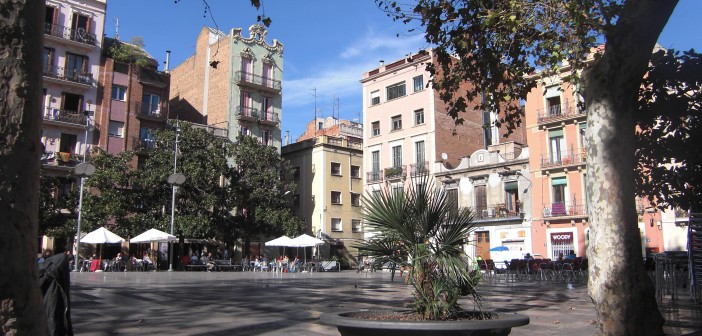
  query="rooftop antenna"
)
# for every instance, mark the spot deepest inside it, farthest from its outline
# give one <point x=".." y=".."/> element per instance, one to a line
<point x="117" y="28"/>
<point x="314" y="94"/>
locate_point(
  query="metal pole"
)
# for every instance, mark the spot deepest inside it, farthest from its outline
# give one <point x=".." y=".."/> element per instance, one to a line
<point x="80" y="198"/>
<point x="173" y="195"/>
<point x="80" y="208"/>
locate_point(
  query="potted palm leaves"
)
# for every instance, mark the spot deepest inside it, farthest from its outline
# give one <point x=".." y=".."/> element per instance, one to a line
<point x="426" y="231"/>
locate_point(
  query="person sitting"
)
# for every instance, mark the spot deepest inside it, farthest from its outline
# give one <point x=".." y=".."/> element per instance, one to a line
<point x="528" y="256"/>
<point x="194" y="260"/>
<point x="571" y="255"/>
<point x="147" y="262"/>
<point x="185" y="260"/>
<point x="210" y="262"/>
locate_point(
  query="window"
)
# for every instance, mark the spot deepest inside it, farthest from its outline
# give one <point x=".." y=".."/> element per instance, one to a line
<point x="355" y="199"/>
<point x="116" y="129"/>
<point x="336" y="168"/>
<point x="244" y="130"/>
<point x="419" y="153"/>
<point x="553" y="101"/>
<point x="246" y="69"/>
<point x="419" y="117"/>
<point x="336" y="224"/>
<point x="296" y="173"/>
<point x="121" y="67"/>
<point x="418" y="83"/>
<point x="375" y="127"/>
<point x="336" y="197"/>
<point x="320" y="125"/>
<point x="151" y="103"/>
<point x="355" y="171"/>
<point x="119" y="92"/>
<point x="395" y="91"/>
<point x="452" y="197"/>
<point x="266" y="138"/>
<point x="75" y="64"/>
<point x="72" y="102"/>
<point x="266" y="108"/>
<point x="296" y="200"/>
<point x="480" y="201"/>
<point x="267" y="74"/>
<point x="396" y="122"/>
<point x="48" y="61"/>
<point x="512" y="197"/>
<point x="397" y="156"/>
<point x="556" y="144"/>
<point x="356" y="225"/>
<point x="558" y="189"/>
<point x="375" y="97"/>
<point x="147" y="138"/>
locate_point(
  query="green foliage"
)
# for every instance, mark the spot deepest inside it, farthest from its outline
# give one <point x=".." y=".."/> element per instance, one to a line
<point x="494" y="44"/>
<point x="56" y="204"/>
<point x="669" y="131"/>
<point x="260" y="183"/>
<point x="128" y="53"/>
<point x="419" y="228"/>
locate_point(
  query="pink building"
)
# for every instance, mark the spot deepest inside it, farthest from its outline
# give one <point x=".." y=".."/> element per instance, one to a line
<point x="407" y="132"/>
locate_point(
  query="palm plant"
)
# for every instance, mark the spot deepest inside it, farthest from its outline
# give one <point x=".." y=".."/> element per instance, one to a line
<point x="423" y="224"/>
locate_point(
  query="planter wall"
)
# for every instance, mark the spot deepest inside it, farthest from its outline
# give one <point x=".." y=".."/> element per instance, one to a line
<point x="354" y="324"/>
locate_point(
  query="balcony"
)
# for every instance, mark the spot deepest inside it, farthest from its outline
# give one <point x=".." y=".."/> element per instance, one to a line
<point x="78" y="36"/>
<point x="559" y="113"/>
<point x="143" y="145"/>
<point x="562" y="209"/>
<point x="258" y="82"/>
<point x="680" y="213"/>
<point x="156" y="112"/>
<point x="73" y="77"/>
<point x="564" y="158"/>
<point x="498" y="212"/>
<point x="246" y="113"/>
<point x="394" y="173"/>
<point x="374" y="177"/>
<point x="60" y="159"/>
<point x="419" y="168"/>
<point x="65" y="117"/>
<point x="269" y="118"/>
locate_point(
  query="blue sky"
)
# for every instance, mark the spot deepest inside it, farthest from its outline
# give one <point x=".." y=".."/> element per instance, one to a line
<point x="328" y="44"/>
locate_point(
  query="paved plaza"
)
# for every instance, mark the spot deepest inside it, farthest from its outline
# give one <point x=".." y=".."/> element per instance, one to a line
<point x="255" y="303"/>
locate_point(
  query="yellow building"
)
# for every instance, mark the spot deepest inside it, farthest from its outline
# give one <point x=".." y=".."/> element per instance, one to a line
<point x="328" y="174"/>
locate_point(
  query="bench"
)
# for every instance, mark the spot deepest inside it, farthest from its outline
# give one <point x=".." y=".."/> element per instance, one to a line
<point x="226" y="265"/>
<point x="196" y="267"/>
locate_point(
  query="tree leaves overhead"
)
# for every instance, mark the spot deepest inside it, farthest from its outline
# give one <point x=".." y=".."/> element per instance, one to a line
<point x="494" y="44"/>
<point x="669" y="131"/>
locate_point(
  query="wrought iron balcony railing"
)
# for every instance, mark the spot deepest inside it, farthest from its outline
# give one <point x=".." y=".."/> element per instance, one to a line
<point x="498" y="211"/>
<point x="374" y="176"/>
<point x="151" y="110"/>
<point x="558" y="112"/>
<point x="249" y="78"/>
<point x="564" y="158"/>
<point x="72" y="117"/>
<point x="419" y="168"/>
<point x="243" y="111"/>
<point x="558" y="209"/>
<point x="71" y="75"/>
<point x="78" y="34"/>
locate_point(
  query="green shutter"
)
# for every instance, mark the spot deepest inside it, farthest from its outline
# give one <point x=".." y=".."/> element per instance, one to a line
<point x="557" y="132"/>
<point x="556" y="181"/>
<point x="511" y="185"/>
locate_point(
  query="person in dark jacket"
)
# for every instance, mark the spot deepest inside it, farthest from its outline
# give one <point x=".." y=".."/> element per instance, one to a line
<point x="55" y="282"/>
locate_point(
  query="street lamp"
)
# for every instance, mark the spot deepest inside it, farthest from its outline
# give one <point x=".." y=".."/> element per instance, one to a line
<point x="175" y="180"/>
<point x="83" y="170"/>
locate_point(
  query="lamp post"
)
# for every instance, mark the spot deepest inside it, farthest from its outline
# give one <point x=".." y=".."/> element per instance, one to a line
<point x="175" y="180"/>
<point x="83" y="170"/>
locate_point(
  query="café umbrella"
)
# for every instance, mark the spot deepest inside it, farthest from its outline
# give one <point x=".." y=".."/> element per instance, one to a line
<point x="305" y="240"/>
<point x="101" y="236"/>
<point x="153" y="235"/>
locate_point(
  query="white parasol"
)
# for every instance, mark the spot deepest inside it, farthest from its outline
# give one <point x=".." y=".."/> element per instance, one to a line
<point x="153" y="235"/>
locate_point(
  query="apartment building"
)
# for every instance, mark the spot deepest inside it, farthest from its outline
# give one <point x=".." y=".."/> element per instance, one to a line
<point x="407" y="133"/>
<point x="232" y="82"/>
<point x="133" y="99"/>
<point x="328" y="172"/>
<point x="73" y="33"/>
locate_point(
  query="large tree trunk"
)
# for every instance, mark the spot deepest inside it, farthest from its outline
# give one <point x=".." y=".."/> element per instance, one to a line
<point x="622" y="292"/>
<point x="21" y="38"/>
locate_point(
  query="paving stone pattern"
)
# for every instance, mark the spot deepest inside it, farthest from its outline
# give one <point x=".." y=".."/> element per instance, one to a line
<point x="255" y="303"/>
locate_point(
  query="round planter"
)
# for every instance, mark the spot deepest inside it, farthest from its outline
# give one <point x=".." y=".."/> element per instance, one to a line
<point x="352" y="323"/>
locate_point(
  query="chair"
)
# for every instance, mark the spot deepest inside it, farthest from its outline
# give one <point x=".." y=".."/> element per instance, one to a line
<point x="545" y="269"/>
<point x="512" y="268"/>
<point x="265" y="266"/>
<point x="568" y="270"/>
<point x="482" y="266"/>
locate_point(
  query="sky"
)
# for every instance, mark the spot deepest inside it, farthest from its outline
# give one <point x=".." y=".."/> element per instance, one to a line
<point x="328" y="44"/>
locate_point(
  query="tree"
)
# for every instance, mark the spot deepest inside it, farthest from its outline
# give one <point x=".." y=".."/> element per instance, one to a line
<point x="21" y="311"/>
<point x="260" y="187"/>
<point x="54" y="201"/>
<point x="495" y="44"/>
<point x="203" y="200"/>
<point x="669" y="164"/>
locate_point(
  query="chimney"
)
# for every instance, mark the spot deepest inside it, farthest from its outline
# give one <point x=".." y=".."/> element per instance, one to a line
<point x="287" y="138"/>
<point x="382" y="62"/>
<point x="168" y="60"/>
